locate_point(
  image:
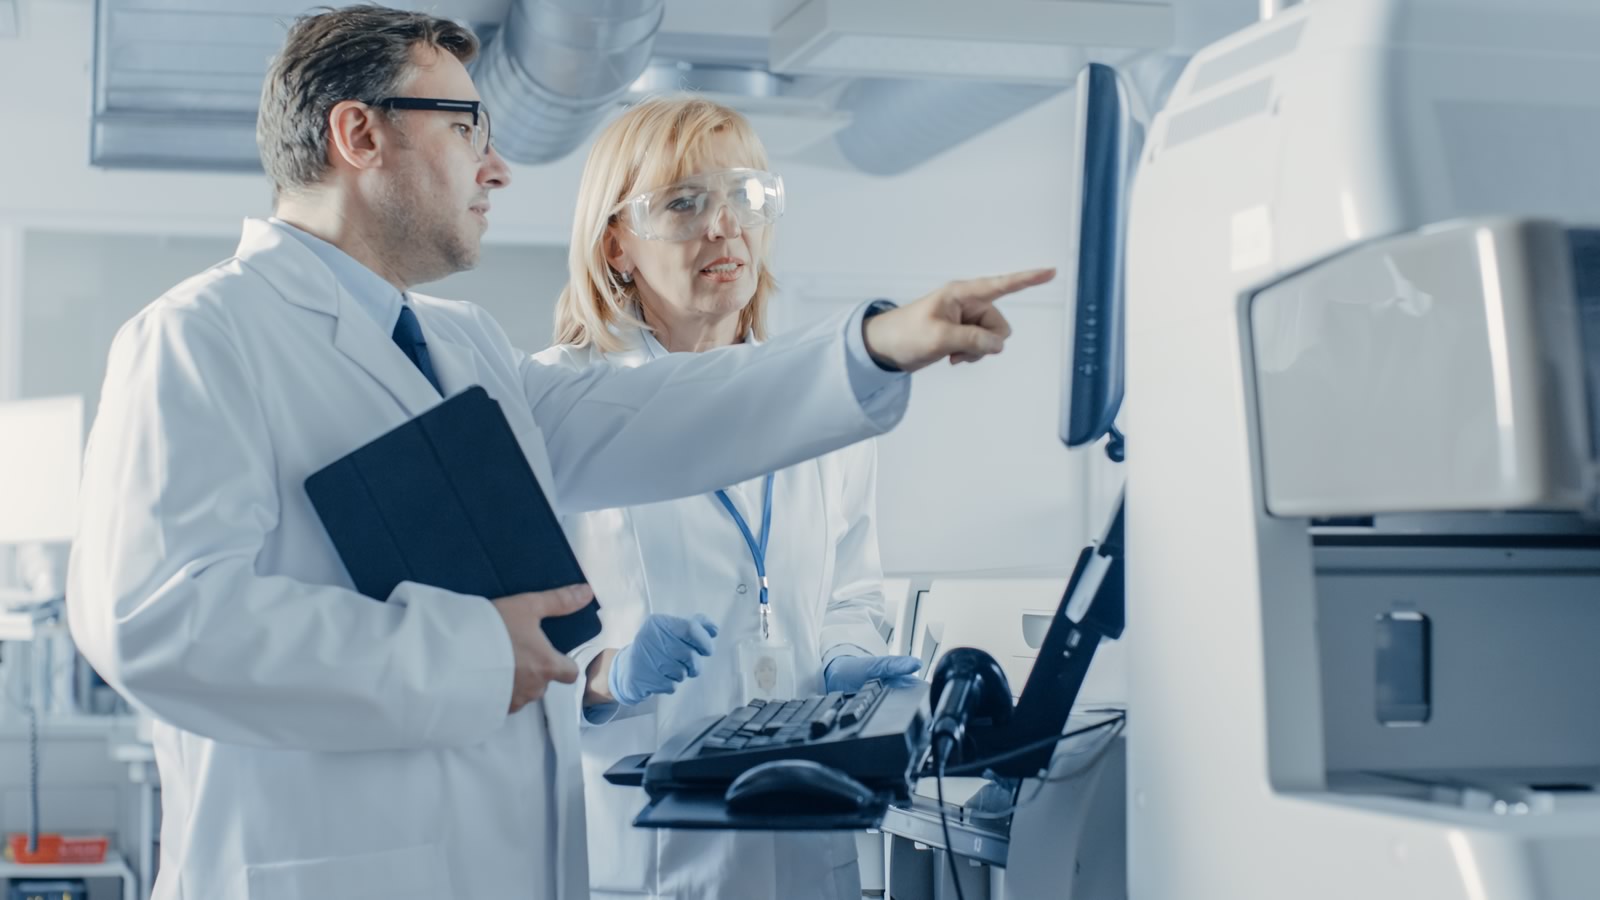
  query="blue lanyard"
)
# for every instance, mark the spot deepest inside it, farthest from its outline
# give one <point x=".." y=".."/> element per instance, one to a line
<point x="758" y="552"/>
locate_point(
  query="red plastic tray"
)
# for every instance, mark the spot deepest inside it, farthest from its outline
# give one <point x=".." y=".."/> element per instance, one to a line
<point x="57" y="848"/>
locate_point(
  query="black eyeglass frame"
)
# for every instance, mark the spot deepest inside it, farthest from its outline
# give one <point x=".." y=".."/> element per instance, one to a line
<point x="480" y="114"/>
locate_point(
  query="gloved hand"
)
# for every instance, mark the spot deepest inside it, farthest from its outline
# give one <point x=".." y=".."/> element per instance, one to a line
<point x="661" y="655"/>
<point x="849" y="673"/>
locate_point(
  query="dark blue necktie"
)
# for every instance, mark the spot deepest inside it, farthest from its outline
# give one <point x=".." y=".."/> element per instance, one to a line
<point x="408" y="335"/>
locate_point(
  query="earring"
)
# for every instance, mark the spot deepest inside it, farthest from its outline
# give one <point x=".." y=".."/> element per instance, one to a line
<point x="625" y="277"/>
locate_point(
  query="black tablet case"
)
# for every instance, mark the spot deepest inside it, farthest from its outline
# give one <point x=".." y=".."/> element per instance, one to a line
<point x="448" y="500"/>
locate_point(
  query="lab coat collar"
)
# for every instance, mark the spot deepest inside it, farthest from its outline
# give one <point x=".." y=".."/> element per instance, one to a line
<point x="643" y="345"/>
<point x="301" y="278"/>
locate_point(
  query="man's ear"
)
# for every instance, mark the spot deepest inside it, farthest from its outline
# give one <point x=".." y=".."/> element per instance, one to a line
<point x="356" y="137"/>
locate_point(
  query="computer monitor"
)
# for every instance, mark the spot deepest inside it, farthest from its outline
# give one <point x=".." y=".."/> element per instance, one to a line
<point x="1092" y="385"/>
<point x="1092" y="607"/>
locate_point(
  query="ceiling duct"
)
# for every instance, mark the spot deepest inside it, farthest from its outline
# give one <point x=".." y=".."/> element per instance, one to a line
<point x="556" y="67"/>
<point x="788" y="122"/>
<point x="895" y="82"/>
<point x="177" y="82"/>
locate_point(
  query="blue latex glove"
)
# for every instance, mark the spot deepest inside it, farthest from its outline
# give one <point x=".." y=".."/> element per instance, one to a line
<point x="849" y="673"/>
<point x="661" y="655"/>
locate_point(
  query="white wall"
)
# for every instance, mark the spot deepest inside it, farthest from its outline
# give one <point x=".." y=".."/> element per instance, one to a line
<point x="974" y="480"/>
<point x="78" y="289"/>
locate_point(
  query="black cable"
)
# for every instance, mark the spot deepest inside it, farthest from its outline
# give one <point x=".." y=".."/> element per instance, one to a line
<point x="978" y="765"/>
<point x="33" y="776"/>
<point x="1017" y="803"/>
<point x="942" y="752"/>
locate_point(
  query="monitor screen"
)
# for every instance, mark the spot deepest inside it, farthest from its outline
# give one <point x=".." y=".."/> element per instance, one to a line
<point x="1093" y="366"/>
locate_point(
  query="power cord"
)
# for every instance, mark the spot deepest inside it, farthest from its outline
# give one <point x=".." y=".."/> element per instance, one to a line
<point x="28" y="676"/>
<point x="977" y="766"/>
<point x="33" y="777"/>
<point x="1017" y="803"/>
<point x="942" y="757"/>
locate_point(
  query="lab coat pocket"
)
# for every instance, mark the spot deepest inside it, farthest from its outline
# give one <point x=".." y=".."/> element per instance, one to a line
<point x="412" y="873"/>
<point x="621" y="857"/>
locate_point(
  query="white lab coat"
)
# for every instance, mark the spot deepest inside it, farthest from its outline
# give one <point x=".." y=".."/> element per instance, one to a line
<point x="313" y="742"/>
<point x="687" y="556"/>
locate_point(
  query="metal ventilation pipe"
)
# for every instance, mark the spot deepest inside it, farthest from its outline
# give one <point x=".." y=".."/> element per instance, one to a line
<point x="556" y="66"/>
<point x="898" y="124"/>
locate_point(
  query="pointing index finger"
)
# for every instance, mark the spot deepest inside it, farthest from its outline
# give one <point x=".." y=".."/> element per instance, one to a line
<point x="996" y="286"/>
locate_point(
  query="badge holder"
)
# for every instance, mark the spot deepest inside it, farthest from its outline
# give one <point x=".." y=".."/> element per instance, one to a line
<point x="766" y="665"/>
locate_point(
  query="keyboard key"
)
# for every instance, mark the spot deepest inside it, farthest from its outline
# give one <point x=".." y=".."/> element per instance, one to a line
<point x="823" y="723"/>
<point x="804" y="713"/>
<point x="765" y="715"/>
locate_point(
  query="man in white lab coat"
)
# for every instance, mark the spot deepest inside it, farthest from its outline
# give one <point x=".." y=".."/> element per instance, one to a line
<point x="313" y="742"/>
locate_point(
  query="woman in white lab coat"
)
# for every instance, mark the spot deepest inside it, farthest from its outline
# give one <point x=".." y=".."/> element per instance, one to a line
<point x="669" y="254"/>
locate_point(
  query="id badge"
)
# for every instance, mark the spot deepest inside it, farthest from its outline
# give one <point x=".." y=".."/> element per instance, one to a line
<point x="767" y="669"/>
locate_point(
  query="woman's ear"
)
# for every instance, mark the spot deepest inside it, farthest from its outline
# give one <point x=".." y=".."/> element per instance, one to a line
<point x="616" y="256"/>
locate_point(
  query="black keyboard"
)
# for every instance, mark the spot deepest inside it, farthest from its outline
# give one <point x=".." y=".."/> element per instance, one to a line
<point x="873" y="735"/>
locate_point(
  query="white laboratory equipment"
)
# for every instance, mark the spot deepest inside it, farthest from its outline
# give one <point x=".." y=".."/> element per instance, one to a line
<point x="1363" y="342"/>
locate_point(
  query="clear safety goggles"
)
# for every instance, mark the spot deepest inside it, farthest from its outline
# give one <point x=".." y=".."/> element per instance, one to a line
<point x="685" y="210"/>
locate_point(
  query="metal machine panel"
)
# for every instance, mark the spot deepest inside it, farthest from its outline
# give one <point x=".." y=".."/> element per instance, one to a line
<point x="1511" y="631"/>
<point x="1440" y="370"/>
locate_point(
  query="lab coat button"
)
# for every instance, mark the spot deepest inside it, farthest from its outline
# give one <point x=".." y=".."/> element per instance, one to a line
<point x="742" y="588"/>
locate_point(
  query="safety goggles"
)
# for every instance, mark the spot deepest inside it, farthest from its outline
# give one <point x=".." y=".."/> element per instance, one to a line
<point x="685" y="210"/>
<point x="480" y="132"/>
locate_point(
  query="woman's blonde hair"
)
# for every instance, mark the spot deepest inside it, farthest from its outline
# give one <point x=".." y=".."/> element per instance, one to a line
<point x="655" y="143"/>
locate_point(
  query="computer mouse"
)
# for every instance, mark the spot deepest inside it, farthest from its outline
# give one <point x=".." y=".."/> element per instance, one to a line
<point x="796" y="786"/>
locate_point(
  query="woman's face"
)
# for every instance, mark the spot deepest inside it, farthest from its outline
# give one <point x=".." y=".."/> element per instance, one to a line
<point x="710" y="274"/>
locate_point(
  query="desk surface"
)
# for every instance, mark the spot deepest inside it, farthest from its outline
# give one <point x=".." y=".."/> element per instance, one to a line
<point x="920" y="823"/>
<point x="112" y="867"/>
<point x="988" y="841"/>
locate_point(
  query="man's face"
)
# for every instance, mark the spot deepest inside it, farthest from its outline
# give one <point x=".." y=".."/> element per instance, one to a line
<point x="432" y="195"/>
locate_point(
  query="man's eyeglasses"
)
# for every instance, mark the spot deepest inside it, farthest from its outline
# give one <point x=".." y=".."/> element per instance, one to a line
<point x="480" y="135"/>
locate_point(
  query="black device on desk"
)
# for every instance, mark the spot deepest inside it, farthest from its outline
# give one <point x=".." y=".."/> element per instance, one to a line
<point x="447" y="499"/>
<point x="828" y="761"/>
<point x="1092" y="609"/>
<point x="976" y="730"/>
